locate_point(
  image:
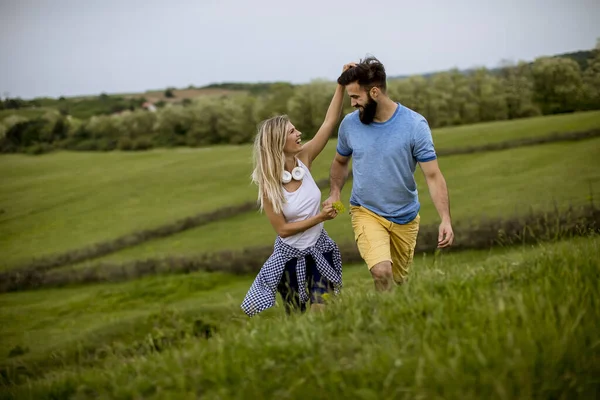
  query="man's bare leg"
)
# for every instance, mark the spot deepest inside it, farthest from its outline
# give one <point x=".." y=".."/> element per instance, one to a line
<point x="383" y="276"/>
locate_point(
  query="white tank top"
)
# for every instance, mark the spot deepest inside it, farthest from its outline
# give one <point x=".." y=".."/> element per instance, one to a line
<point x="304" y="203"/>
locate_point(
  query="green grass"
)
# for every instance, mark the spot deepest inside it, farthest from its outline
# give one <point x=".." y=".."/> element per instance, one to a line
<point x="495" y="184"/>
<point x="507" y="324"/>
<point x="98" y="314"/>
<point x="78" y="107"/>
<point x="63" y="201"/>
<point x="67" y="200"/>
<point x="485" y="133"/>
<point x="29" y="113"/>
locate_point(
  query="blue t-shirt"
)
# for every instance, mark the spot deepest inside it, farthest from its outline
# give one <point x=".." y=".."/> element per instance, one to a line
<point x="384" y="158"/>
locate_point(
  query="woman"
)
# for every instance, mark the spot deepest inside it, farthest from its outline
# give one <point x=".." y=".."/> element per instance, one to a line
<point x="304" y="255"/>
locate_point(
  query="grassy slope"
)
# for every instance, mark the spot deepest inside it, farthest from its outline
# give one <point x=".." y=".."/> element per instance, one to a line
<point x="496" y="132"/>
<point x="497" y="184"/>
<point x="62" y="201"/>
<point x="467" y="325"/>
<point x="25" y="113"/>
<point x="67" y="200"/>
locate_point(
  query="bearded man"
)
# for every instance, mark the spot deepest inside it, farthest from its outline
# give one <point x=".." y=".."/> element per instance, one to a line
<point x="385" y="141"/>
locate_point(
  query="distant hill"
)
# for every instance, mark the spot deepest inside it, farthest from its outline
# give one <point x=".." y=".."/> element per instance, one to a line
<point x="179" y="95"/>
<point x="252" y="88"/>
<point x="581" y="57"/>
<point x="256" y="88"/>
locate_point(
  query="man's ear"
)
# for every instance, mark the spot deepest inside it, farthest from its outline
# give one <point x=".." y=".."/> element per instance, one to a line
<point x="374" y="92"/>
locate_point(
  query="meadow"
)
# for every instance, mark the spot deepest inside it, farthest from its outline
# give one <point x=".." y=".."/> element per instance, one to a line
<point x="512" y="323"/>
<point x="508" y="322"/>
<point x="531" y="179"/>
<point x="67" y="200"/>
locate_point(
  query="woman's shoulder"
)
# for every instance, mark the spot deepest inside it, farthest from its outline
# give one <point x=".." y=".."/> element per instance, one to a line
<point x="304" y="166"/>
<point x="302" y="162"/>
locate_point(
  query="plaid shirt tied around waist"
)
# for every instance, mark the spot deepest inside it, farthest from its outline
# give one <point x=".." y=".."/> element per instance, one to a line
<point x="263" y="291"/>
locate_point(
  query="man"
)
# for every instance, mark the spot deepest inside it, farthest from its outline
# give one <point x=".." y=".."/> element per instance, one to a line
<point x="386" y="140"/>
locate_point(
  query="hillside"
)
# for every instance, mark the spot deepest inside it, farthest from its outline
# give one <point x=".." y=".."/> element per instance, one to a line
<point x="85" y="193"/>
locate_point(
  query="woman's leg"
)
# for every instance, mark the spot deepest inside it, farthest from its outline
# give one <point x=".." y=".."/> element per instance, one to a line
<point x="288" y="288"/>
<point x="318" y="285"/>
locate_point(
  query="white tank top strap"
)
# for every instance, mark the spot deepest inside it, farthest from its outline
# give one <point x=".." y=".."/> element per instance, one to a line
<point x="305" y="168"/>
<point x="302" y="204"/>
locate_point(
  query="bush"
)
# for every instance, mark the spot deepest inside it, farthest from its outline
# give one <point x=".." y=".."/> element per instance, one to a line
<point x="125" y="144"/>
<point x="142" y="143"/>
<point x="534" y="228"/>
<point x="39" y="148"/>
<point x="85" y="145"/>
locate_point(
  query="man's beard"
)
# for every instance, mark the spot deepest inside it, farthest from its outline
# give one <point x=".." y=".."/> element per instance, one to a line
<point x="367" y="114"/>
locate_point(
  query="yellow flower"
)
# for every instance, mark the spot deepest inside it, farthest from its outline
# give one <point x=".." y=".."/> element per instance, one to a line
<point x="339" y="206"/>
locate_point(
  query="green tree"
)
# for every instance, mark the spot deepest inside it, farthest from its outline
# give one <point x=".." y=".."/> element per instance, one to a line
<point x="591" y="81"/>
<point x="488" y="96"/>
<point x="138" y="124"/>
<point x="308" y="106"/>
<point x="441" y="110"/>
<point x="557" y="84"/>
<point x="172" y="125"/>
<point x="518" y="87"/>
<point x="205" y="121"/>
<point x="275" y="101"/>
<point x="169" y="93"/>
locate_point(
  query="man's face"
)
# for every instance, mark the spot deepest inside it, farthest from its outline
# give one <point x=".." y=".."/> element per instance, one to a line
<point x="361" y="100"/>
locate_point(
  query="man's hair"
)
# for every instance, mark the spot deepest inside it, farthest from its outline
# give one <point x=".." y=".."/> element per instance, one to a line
<point x="368" y="72"/>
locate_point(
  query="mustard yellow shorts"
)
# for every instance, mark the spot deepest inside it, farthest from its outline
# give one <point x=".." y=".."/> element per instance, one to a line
<point x="381" y="240"/>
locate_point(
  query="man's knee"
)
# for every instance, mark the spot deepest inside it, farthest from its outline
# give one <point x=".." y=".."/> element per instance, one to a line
<point x="382" y="271"/>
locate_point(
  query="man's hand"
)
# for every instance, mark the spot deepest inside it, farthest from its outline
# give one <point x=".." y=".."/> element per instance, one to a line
<point x="446" y="235"/>
<point x="330" y="200"/>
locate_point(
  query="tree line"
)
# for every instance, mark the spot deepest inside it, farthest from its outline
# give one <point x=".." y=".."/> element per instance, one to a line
<point x="549" y="85"/>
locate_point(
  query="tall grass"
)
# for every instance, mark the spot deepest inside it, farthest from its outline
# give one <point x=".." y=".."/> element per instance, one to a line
<point x="518" y="325"/>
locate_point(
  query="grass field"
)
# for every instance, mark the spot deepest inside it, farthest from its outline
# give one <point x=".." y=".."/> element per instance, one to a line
<point x="155" y="96"/>
<point x="84" y="107"/>
<point x="494" y="185"/>
<point x="25" y="113"/>
<point x="62" y="201"/>
<point x="496" y="132"/>
<point x="514" y="323"/>
<point x="505" y="323"/>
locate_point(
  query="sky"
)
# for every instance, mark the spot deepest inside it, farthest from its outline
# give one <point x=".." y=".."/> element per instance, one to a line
<point x="66" y="48"/>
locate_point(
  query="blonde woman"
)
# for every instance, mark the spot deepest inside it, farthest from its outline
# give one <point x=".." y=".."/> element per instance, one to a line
<point x="304" y="256"/>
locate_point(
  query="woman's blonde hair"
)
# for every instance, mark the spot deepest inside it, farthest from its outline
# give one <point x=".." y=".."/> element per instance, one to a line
<point x="269" y="161"/>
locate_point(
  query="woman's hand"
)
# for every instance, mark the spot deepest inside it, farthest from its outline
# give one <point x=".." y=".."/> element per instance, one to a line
<point x="348" y="66"/>
<point x="328" y="212"/>
<point x="314" y="147"/>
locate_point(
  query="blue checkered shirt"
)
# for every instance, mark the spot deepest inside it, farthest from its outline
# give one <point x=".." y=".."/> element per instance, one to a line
<point x="263" y="291"/>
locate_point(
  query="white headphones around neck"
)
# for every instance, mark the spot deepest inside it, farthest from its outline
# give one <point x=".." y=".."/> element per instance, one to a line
<point x="297" y="174"/>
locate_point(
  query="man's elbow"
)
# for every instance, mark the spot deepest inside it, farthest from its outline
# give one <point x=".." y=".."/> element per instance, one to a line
<point x="340" y="160"/>
<point x="434" y="176"/>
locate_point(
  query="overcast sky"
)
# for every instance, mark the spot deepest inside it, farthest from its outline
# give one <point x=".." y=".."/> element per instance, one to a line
<point x="59" y="47"/>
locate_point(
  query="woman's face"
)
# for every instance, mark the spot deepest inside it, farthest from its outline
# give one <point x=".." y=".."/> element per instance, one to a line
<point x="293" y="144"/>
